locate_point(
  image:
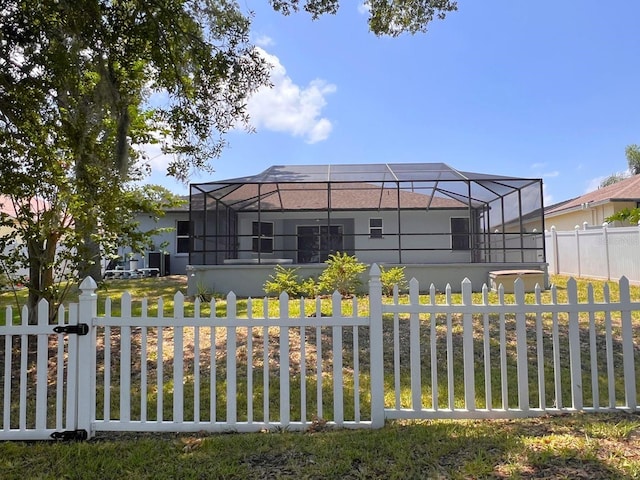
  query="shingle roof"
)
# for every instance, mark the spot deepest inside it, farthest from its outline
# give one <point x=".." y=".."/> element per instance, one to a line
<point x="342" y="196"/>
<point x="627" y="189"/>
<point x="421" y="185"/>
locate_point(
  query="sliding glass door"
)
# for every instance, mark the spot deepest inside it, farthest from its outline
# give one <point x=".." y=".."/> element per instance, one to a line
<point x="316" y="242"/>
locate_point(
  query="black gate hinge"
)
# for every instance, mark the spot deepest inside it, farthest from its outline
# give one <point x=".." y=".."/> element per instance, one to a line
<point x="70" y="435"/>
<point x="80" y="329"/>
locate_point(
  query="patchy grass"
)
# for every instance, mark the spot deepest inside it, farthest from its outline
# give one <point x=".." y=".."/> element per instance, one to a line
<point x="568" y="446"/>
<point x="576" y="446"/>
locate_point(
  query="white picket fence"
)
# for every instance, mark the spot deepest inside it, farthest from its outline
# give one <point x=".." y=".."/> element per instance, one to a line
<point x="327" y="365"/>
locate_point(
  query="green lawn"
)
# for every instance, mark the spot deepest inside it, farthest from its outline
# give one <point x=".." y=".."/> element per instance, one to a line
<point x="576" y="446"/>
<point x="568" y="446"/>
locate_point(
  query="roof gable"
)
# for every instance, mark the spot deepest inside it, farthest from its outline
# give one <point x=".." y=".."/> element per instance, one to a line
<point x="627" y="189"/>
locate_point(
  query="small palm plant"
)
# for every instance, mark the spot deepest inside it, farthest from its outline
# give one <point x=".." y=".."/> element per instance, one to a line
<point x="342" y="274"/>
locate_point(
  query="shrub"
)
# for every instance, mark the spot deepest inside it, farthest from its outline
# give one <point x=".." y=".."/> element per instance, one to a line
<point x="309" y="288"/>
<point x="283" y="280"/>
<point x="204" y="293"/>
<point x="342" y="274"/>
<point x="390" y="277"/>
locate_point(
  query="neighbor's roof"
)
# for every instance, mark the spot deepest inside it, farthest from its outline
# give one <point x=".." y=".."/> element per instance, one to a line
<point x="8" y="207"/>
<point x="624" y="190"/>
<point x="431" y="185"/>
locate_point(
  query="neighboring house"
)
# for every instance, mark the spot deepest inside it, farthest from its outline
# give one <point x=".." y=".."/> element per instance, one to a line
<point x="439" y="223"/>
<point x="170" y="251"/>
<point x="8" y="209"/>
<point x="594" y="207"/>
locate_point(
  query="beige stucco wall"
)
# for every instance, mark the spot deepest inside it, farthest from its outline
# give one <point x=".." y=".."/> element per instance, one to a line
<point x="593" y="215"/>
<point x="248" y="280"/>
<point x="4" y="231"/>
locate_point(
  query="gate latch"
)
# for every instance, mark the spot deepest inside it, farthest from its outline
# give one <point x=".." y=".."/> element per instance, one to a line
<point x="80" y="329"/>
<point x="70" y="435"/>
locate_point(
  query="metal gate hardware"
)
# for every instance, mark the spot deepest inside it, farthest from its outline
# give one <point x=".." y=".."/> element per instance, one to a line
<point x="70" y="435"/>
<point x="80" y="329"/>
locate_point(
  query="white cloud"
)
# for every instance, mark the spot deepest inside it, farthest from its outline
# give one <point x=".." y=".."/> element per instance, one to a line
<point x="287" y="107"/>
<point x="594" y="184"/>
<point x="364" y="8"/>
<point x="264" y="41"/>
<point x="540" y="166"/>
<point x="547" y="198"/>
<point x="155" y="157"/>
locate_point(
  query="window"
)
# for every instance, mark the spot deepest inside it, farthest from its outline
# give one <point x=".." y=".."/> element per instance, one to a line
<point x="183" y="228"/>
<point x="460" y="234"/>
<point x="262" y="240"/>
<point x="375" y="228"/>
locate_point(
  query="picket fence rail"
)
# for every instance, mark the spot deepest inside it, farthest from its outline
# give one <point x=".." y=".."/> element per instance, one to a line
<point x="335" y="363"/>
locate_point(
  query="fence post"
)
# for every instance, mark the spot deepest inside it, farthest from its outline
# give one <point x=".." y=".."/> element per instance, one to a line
<point x="575" y="363"/>
<point x="627" y="345"/>
<point x="577" y="232"/>
<point x="375" y="347"/>
<point x="85" y="394"/>
<point x="232" y="352"/>
<point x="605" y="232"/>
<point x="554" y="243"/>
<point x="467" y="348"/>
<point x="522" y="360"/>
<point x="285" y="340"/>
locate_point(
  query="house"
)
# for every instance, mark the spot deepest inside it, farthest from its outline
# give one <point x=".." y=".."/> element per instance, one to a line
<point x="439" y="223"/>
<point x="6" y="208"/>
<point x="10" y="240"/>
<point x="594" y="207"/>
<point x="169" y="253"/>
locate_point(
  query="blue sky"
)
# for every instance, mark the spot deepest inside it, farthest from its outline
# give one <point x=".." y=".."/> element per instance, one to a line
<point x="545" y="89"/>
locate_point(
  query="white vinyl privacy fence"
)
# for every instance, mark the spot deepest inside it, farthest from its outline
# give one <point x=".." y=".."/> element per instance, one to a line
<point x="231" y="366"/>
<point x="602" y="253"/>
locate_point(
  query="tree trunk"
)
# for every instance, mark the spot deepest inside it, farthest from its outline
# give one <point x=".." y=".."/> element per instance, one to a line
<point x="34" y="249"/>
<point x="41" y="276"/>
<point x="90" y="263"/>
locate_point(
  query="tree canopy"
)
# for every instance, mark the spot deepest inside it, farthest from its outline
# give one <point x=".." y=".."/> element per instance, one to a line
<point x="632" y="152"/>
<point x="386" y="17"/>
<point x="84" y="84"/>
<point x="626" y="215"/>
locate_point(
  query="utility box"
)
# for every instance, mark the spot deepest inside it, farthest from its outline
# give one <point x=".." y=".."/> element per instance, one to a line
<point x="160" y="261"/>
<point x="507" y="278"/>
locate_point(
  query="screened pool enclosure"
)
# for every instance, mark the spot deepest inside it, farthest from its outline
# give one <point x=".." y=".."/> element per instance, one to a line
<point x="421" y="213"/>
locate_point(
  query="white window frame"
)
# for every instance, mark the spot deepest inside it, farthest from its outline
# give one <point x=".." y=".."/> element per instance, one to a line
<point x="183" y="236"/>
<point x="260" y="237"/>
<point x="376" y="228"/>
<point x="466" y="234"/>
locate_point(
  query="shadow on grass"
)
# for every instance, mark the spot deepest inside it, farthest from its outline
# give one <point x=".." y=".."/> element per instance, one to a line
<point x="558" y="447"/>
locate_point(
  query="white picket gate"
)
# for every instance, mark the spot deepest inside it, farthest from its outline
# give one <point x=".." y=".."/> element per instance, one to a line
<point x="241" y="371"/>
